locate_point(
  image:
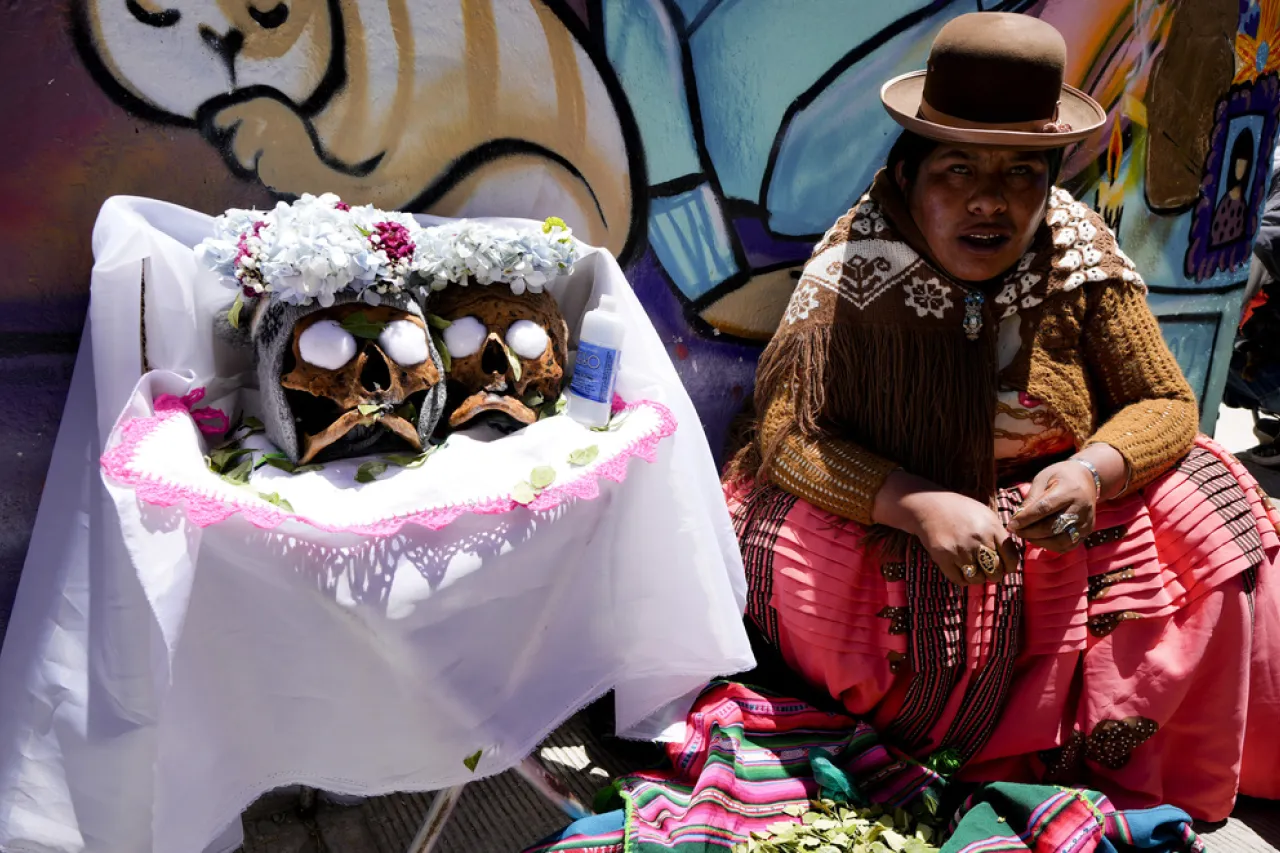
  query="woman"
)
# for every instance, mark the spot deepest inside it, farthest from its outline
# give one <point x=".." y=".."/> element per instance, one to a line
<point x="976" y="509"/>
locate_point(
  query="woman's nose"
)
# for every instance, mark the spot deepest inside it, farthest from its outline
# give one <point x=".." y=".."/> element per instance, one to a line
<point x="988" y="198"/>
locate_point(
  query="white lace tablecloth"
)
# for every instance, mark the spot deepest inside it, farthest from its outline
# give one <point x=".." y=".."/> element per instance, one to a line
<point x="179" y="646"/>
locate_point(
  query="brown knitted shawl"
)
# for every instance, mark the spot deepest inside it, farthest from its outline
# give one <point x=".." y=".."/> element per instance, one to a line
<point x="880" y="347"/>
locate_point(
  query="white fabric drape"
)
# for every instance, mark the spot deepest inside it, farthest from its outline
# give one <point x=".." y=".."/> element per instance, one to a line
<point x="157" y="677"/>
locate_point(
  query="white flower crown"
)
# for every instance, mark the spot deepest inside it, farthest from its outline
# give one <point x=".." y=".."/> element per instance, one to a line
<point x="317" y="247"/>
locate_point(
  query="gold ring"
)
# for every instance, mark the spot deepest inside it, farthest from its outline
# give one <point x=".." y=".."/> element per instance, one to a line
<point x="969" y="572"/>
<point x="989" y="560"/>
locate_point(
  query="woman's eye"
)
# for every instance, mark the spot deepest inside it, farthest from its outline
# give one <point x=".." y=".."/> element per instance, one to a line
<point x="959" y="170"/>
<point x="271" y="18"/>
<point x="160" y="19"/>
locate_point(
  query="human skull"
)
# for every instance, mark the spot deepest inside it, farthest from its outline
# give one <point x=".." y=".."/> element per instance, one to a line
<point x="508" y="353"/>
<point x="348" y="380"/>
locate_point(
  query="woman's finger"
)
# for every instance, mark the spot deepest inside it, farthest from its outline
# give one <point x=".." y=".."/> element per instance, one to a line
<point x="1063" y="542"/>
<point x="1040" y="510"/>
<point x="1040" y="485"/>
<point x="1075" y="514"/>
<point x="1010" y="556"/>
<point x="962" y="570"/>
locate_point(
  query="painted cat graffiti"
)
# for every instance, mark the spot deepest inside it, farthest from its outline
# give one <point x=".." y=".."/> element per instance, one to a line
<point x="458" y="106"/>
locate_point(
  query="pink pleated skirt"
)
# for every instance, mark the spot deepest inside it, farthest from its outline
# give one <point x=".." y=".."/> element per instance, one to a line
<point x="1145" y="663"/>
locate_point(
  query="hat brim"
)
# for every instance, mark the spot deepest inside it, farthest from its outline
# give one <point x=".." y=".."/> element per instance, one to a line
<point x="902" y="96"/>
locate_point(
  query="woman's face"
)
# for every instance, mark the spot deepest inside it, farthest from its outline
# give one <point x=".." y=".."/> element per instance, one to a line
<point x="978" y="208"/>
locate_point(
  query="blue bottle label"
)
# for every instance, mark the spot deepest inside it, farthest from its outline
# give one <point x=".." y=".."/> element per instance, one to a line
<point x="593" y="372"/>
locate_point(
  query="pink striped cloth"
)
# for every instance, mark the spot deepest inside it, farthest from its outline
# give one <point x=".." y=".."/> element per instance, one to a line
<point x="1144" y="664"/>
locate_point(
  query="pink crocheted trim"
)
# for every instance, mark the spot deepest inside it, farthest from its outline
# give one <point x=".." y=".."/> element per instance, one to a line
<point x="210" y="421"/>
<point x="205" y="509"/>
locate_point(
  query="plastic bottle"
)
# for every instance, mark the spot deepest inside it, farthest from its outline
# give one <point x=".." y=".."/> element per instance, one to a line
<point x="596" y="370"/>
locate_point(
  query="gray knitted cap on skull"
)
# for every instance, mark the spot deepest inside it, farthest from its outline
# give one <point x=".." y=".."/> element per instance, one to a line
<point x="272" y="333"/>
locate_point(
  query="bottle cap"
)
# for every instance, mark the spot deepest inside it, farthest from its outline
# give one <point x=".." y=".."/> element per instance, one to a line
<point x="608" y="303"/>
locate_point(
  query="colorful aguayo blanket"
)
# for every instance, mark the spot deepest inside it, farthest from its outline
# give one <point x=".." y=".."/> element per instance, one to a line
<point x="752" y="765"/>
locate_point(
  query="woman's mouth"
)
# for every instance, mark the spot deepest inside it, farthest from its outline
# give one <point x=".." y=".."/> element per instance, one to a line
<point x="984" y="242"/>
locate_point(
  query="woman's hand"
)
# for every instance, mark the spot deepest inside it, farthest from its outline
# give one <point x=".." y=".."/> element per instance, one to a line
<point x="1060" y="508"/>
<point x="952" y="528"/>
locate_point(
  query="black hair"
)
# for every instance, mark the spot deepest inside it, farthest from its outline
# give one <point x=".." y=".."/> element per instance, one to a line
<point x="1242" y="149"/>
<point x="910" y="149"/>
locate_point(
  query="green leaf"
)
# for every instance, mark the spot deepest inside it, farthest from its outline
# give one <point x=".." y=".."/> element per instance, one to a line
<point x="585" y="456"/>
<point x="895" y="841"/>
<point x="412" y="460"/>
<point x="281" y="462"/>
<point x="409" y="412"/>
<point x="524" y="493"/>
<point x="438" y="322"/>
<point x="446" y="360"/>
<point x="303" y="469"/>
<point x="220" y="460"/>
<point x="796" y="809"/>
<point x="552" y="408"/>
<point x="239" y="475"/>
<point x="361" y="326"/>
<point x="233" y="316"/>
<point x="534" y="399"/>
<point x="552" y="222"/>
<point x="364" y="231"/>
<point x="275" y="499"/>
<point x="513" y="360"/>
<point x="253" y="423"/>
<point x="368" y="409"/>
<point x="542" y="476"/>
<point x="370" y="471"/>
<point x="473" y="760"/>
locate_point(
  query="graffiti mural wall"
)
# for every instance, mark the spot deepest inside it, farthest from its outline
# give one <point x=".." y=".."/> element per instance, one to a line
<point x="708" y="143"/>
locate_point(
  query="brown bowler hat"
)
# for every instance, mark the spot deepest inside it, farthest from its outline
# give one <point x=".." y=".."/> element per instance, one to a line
<point x="994" y="78"/>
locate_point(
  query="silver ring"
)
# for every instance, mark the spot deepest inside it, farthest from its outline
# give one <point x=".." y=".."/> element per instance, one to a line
<point x="1065" y="522"/>
<point x="969" y="572"/>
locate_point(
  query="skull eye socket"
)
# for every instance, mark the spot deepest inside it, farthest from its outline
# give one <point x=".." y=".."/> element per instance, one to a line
<point x="465" y="336"/>
<point x="326" y="345"/>
<point x="404" y="342"/>
<point x="527" y="339"/>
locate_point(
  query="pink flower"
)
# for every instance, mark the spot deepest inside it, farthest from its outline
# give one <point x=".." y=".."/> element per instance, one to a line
<point x="342" y="205"/>
<point x="395" y="240"/>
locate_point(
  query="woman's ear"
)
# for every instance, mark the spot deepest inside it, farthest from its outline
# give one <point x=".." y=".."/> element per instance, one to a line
<point x="900" y="176"/>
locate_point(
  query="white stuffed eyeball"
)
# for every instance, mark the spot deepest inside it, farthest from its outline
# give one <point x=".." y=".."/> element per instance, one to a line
<point x="327" y="345"/>
<point x="527" y="339"/>
<point x="404" y="342"/>
<point x="465" y="336"/>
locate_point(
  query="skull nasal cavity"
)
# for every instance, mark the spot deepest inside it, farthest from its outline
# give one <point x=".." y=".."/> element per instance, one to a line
<point x="375" y="375"/>
<point x="494" y="359"/>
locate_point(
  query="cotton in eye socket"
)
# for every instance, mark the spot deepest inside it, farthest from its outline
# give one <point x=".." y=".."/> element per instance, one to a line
<point x="465" y="336"/>
<point x="404" y="342"/>
<point x="326" y="345"/>
<point x="527" y="339"/>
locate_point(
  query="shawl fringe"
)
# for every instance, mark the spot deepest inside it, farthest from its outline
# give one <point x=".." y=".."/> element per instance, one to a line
<point x="922" y="397"/>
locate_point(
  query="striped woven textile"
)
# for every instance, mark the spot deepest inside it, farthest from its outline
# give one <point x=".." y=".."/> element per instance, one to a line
<point x="748" y="755"/>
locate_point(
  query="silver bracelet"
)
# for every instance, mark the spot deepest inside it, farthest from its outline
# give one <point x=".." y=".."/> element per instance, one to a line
<point x="1097" y="478"/>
